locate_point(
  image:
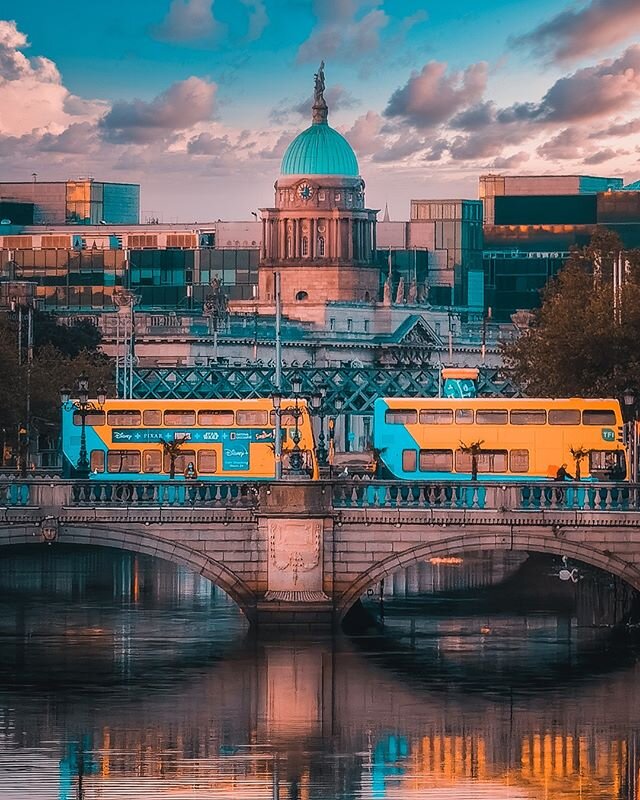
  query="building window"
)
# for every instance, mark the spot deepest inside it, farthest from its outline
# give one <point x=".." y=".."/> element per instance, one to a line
<point x="302" y="296"/>
<point x="321" y="245"/>
<point x="366" y="326"/>
<point x="332" y="324"/>
<point x="321" y="196"/>
<point x="289" y="247"/>
<point x="349" y="325"/>
<point x="337" y="197"/>
<point x="305" y="246"/>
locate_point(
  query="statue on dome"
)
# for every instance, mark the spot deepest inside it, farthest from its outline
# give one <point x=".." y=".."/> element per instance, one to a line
<point x="318" y="92"/>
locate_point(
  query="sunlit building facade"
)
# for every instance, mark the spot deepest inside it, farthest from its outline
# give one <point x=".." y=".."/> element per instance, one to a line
<point x="84" y="201"/>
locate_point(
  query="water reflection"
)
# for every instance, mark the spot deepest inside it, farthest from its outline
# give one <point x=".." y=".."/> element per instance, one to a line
<point x="113" y="691"/>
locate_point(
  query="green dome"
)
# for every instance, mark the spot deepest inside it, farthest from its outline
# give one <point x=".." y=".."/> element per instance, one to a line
<point x="320" y="150"/>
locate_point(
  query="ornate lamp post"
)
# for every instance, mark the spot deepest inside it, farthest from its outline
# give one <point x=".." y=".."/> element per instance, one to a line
<point x="317" y="403"/>
<point x="338" y="403"/>
<point x="631" y="424"/>
<point x="83" y="406"/>
<point x="296" y="413"/>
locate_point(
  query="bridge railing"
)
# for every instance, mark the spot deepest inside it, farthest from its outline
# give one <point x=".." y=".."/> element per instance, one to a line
<point x="472" y="495"/>
<point x="338" y="494"/>
<point x="166" y="493"/>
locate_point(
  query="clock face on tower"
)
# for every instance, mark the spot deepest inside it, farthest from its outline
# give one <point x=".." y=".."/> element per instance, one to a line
<point x="305" y="191"/>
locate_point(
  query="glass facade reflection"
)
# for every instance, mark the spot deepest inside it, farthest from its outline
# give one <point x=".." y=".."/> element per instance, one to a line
<point x="91" y="203"/>
<point x="163" y="278"/>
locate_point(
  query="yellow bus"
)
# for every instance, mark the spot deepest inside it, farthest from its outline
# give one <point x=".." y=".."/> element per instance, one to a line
<point x="215" y="439"/>
<point x="515" y="439"/>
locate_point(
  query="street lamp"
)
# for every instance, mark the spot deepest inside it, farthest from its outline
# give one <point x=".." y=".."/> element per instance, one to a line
<point x="629" y="402"/>
<point x="276" y="398"/>
<point x="338" y="404"/>
<point x="296" y="412"/>
<point x="317" y="403"/>
<point x="83" y="406"/>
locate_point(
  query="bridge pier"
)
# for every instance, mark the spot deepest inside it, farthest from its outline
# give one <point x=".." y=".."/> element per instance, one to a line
<point x="296" y="522"/>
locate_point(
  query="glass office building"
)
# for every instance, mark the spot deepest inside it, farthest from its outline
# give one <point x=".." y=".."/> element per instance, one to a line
<point x="78" y="202"/>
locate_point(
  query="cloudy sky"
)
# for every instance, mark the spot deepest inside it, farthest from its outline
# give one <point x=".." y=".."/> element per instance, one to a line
<point x="197" y="99"/>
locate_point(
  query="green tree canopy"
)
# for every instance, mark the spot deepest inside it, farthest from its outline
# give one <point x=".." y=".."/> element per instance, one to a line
<point x="61" y="354"/>
<point x="575" y="346"/>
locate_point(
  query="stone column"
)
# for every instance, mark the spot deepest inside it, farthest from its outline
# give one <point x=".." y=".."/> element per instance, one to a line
<point x="263" y="247"/>
<point x="350" y="242"/>
<point x="312" y="238"/>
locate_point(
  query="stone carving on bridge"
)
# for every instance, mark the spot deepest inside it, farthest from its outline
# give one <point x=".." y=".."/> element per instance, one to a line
<point x="295" y="560"/>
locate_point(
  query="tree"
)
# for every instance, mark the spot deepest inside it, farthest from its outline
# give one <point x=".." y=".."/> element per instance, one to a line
<point x="578" y="454"/>
<point x="173" y="450"/>
<point x="57" y="361"/>
<point x="575" y="346"/>
<point x="474" y="449"/>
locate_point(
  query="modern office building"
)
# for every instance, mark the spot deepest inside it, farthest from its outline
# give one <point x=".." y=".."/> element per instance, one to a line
<point x="497" y="193"/>
<point x="84" y="201"/>
<point x="530" y="236"/>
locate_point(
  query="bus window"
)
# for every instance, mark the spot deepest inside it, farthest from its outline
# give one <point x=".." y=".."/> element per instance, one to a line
<point x="436" y="460"/>
<point x="151" y="461"/>
<point x="487" y="461"/>
<point x="519" y="460"/>
<point x="464" y="416"/>
<point x="181" y="461"/>
<point x="598" y="416"/>
<point x="152" y="416"/>
<point x="254" y="417"/>
<point x="124" y="418"/>
<point x="564" y="416"/>
<point x="286" y="420"/>
<point x="491" y="416"/>
<point x="401" y="416"/>
<point x="97" y="461"/>
<point x="217" y="418"/>
<point x="436" y="416"/>
<point x="123" y="461"/>
<point x="532" y="416"/>
<point x="608" y="464"/>
<point x="91" y="419"/>
<point x="207" y="461"/>
<point x="179" y="417"/>
<point x="409" y="460"/>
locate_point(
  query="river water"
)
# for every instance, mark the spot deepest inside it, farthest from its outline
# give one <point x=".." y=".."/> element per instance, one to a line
<point x="124" y="677"/>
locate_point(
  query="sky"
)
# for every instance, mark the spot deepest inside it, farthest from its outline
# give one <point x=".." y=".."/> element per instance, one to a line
<point x="196" y="100"/>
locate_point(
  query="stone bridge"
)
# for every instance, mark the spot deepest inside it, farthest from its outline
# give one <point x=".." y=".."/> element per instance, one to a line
<point x="303" y="553"/>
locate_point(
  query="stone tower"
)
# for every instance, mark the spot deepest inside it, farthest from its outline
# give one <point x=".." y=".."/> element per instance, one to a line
<point x="320" y="236"/>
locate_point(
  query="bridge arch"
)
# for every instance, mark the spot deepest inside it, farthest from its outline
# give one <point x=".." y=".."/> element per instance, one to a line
<point x="145" y="543"/>
<point x="544" y="542"/>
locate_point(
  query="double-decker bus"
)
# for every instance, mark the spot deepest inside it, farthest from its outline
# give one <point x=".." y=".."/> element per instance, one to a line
<point x="220" y="439"/>
<point x="516" y="439"/>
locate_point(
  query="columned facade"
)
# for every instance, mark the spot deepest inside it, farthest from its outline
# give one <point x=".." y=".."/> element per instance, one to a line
<point x="319" y="235"/>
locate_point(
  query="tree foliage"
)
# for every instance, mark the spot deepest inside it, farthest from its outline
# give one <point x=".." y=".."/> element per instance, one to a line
<point x="61" y="354"/>
<point x="575" y="346"/>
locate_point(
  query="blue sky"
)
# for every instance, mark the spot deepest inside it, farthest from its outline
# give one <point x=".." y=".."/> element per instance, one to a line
<point x="197" y="100"/>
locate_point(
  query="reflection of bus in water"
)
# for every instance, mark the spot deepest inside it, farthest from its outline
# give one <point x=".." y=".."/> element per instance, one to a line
<point x="521" y="438"/>
<point x="222" y="439"/>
